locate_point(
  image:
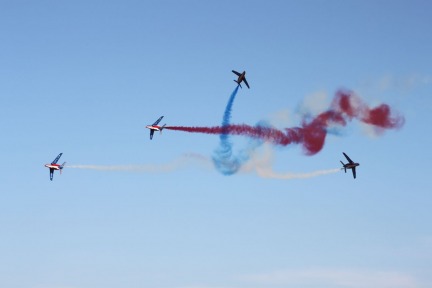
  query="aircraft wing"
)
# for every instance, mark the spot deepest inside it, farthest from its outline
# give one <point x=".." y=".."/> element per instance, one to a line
<point x="51" y="173"/>
<point x="354" y="172"/>
<point x="244" y="80"/>
<point x="349" y="159"/>
<point x="56" y="159"/>
<point x="235" y="72"/>
<point x="157" y="121"/>
<point x="151" y="133"/>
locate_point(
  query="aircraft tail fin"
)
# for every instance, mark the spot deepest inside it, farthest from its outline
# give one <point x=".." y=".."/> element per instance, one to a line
<point x="61" y="167"/>
<point x="238" y="83"/>
<point x="344" y="168"/>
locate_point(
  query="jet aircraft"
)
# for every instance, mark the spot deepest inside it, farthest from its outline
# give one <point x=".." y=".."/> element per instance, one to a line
<point x="350" y="165"/>
<point x="154" y="127"/>
<point x="241" y="77"/>
<point x="54" y="166"/>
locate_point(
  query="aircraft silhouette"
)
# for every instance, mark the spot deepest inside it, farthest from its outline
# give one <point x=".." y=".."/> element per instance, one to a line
<point x="54" y="166"/>
<point x="350" y="165"/>
<point x="241" y="77"/>
<point x="154" y="127"/>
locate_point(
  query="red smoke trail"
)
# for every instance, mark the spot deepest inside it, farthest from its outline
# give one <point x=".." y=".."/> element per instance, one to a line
<point x="311" y="134"/>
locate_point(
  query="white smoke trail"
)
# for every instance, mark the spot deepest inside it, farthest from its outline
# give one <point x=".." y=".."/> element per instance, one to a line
<point x="181" y="162"/>
<point x="268" y="173"/>
<point x="261" y="164"/>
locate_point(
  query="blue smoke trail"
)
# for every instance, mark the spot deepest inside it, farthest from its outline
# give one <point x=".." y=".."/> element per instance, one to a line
<point x="227" y="114"/>
<point x="223" y="159"/>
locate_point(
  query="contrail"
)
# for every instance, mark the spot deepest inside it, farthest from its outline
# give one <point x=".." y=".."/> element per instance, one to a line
<point x="345" y="107"/>
<point x="181" y="162"/>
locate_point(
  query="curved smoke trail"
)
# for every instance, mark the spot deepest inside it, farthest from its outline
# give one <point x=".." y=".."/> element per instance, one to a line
<point x="345" y="107"/>
<point x="223" y="159"/>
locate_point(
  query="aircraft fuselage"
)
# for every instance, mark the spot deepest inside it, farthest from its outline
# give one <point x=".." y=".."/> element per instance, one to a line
<point x="154" y="127"/>
<point x="351" y="165"/>
<point x="241" y="77"/>
<point x="54" y="166"/>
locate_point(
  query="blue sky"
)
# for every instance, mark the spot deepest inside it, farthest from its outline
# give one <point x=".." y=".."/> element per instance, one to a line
<point x="85" y="77"/>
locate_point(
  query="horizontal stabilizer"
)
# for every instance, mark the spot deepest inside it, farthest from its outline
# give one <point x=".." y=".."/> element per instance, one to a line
<point x="238" y="83"/>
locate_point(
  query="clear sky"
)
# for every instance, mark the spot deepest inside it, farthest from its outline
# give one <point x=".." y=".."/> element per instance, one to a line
<point x="85" y="77"/>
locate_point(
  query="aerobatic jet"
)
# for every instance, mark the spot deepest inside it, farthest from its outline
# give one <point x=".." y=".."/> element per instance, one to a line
<point x="350" y="165"/>
<point x="241" y="77"/>
<point x="54" y="166"/>
<point x="154" y="127"/>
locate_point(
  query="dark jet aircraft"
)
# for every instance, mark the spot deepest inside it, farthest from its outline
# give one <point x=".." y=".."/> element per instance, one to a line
<point x="154" y="127"/>
<point x="241" y="77"/>
<point x="54" y="166"/>
<point x="350" y="165"/>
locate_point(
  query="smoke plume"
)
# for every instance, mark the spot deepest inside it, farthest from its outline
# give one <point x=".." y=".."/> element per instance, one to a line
<point x="311" y="134"/>
<point x="181" y="162"/>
